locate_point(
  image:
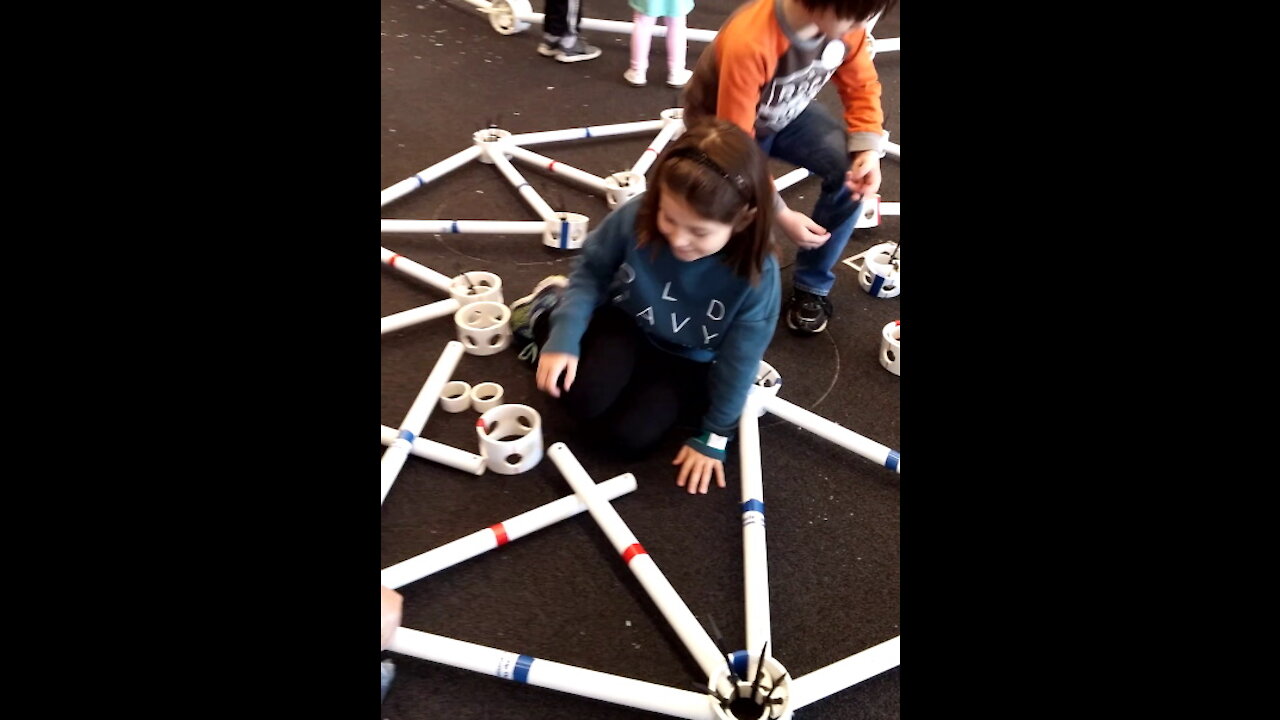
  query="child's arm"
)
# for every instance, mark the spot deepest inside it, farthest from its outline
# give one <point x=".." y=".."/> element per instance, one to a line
<point x="593" y="271"/>
<point x="736" y="364"/>
<point x="858" y="85"/>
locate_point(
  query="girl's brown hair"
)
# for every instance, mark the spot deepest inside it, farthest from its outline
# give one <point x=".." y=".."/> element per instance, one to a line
<point x="721" y="173"/>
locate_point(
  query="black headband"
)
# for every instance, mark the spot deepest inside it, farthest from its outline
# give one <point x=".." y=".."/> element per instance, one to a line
<point x="701" y="158"/>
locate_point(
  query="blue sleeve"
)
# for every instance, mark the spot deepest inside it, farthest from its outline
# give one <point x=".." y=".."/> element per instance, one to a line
<point x="602" y="254"/>
<point x="738" y="361"/>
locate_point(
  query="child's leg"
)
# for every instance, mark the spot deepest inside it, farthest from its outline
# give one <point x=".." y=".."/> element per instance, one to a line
<point x="677" y="45"/>
<point x="555" y="23"/>
<point x="817" y="141"/>
<point x="664" y="391"/>
<point x="641" y="36"/>
<point x="606" y="365"/>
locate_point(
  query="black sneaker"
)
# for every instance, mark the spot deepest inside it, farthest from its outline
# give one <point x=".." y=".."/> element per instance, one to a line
<point x="526" y="311"/>
<point x="577" y="52"/>
<point x="808" y="313"/>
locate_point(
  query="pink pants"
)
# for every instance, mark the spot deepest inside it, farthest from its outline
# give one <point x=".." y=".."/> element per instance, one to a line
<point x="642" y="33"/>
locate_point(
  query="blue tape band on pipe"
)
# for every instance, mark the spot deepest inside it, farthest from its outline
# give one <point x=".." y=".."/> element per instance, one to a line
<point x="521" y="674"/>
<point x="876" y="285"/>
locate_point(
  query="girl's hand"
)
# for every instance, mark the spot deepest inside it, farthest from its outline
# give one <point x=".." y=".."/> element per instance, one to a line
<point x="550" y="365"/>
<point x="697" y="469"/>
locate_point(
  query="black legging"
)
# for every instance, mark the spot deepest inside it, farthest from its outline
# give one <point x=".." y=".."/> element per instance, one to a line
<point x="626" y="391"/>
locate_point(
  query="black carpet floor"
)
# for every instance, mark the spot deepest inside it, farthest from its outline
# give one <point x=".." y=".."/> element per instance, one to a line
<point x="562" y="594"/>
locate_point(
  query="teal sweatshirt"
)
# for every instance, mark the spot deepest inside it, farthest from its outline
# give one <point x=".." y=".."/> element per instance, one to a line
<point x="698" y="310"/>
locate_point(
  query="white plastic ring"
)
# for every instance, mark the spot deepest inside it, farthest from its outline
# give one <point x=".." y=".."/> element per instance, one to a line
<point x="486" y="396"/>
<point x="455" y="396"/>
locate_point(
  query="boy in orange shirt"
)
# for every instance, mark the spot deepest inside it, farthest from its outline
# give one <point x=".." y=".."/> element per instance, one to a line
<point x="766" y="65"/>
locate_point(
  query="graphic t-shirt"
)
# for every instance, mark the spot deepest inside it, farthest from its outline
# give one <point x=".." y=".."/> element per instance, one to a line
<point x="760" y="76"/>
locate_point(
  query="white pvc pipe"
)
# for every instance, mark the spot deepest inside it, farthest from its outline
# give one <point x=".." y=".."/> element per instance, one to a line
<point x="555" y="166"/>
<point x="755" y="561"/>
<point x="886" y="44"/>
<point x="890" y="208"/>
<point x="420" y="314"/>
<point x="521" y="185"/>
<point x="536" y="18"/>
<point x="893" y="149"/>
<point x="556" y="676"/>
<point x="837" y="434"/>
<point x="417" y="271"/>
<point x="619" y="26"/>
<point x="449" y="164"/>
<point x="464" y="548"/>
<point x="487" y="227"/>
<point x="419" y="412"/>
<point x="789" y="179"/>
<point x="651" y="153"/>
<point x="845" y="673"/>
<point x="590" y="131"/>
<point x="438" y="452"/>
<point x="682" y="620"/>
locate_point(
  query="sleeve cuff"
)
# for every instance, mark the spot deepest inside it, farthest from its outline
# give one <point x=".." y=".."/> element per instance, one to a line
<point x="860" y="141"/>
<point x="709" y="444"/>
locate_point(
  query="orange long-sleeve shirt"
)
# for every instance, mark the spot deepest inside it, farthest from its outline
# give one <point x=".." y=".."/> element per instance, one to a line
<point x="759" y="75"/>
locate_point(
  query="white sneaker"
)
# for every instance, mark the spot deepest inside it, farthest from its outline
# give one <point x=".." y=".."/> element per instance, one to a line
<point x="636" y="78"/>
<point x="677" y="78"/>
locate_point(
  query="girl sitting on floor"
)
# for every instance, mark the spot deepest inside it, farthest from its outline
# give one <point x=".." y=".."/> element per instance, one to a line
<point x="670" y="306"/>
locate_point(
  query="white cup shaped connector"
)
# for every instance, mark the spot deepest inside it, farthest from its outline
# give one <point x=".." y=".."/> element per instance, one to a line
<point x="487" y="139"/>
<point x="869" y="213"/>
<point x="881" y="274"/>
<point x="768" y="383"/>
<point x="486" y="396"/>
<point x="455" y="396"/>
<point x="891" y="347"/>
<point x="622" y="186"/>
<point x="476" y="286"/>
<point x="510" y="438"/>
<point x="483" y="327"/>
<point x="770" y="697"/>
<point x="566" y="232"/>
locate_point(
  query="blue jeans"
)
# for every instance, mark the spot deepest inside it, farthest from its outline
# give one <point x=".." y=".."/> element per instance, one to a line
<point x="817" y="142"/>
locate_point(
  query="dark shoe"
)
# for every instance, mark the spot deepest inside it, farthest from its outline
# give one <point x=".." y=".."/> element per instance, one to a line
<point x="527" y="310"/>
<point x="808" y="313"/>
<point x="548" y="49"/>
<point x="578" y="52"/>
